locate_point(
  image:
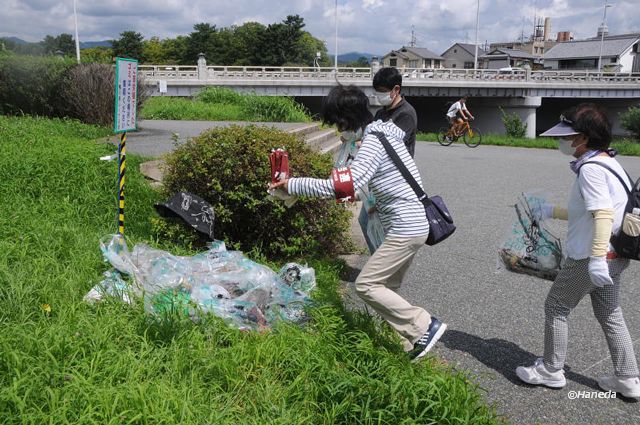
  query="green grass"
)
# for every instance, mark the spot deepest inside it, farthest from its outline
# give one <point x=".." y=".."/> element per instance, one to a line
<point x="113" y="364"/>
<point x="222" y="104"/>
<point x="623" y="146"/>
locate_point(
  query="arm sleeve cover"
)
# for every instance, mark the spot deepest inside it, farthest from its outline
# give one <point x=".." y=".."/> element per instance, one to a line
<point x="602" y="225"/>
<point x="560" y="213"/>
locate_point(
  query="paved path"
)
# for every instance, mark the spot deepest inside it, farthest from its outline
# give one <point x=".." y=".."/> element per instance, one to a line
<point x="496" y="319"/>
<point x="155" y="137"/>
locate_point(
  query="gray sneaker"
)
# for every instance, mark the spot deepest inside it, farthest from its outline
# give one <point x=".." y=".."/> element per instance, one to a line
<point x="628" y="387"/>
<point x="538" y="374"/>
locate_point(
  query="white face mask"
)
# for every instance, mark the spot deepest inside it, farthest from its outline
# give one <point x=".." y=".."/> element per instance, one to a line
<point x="351" y="136"/>
<point x="384" y="98"/>
<point x="565" y="147"/>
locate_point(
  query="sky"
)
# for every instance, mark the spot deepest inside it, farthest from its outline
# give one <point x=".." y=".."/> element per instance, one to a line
<point x="367" y="26"/>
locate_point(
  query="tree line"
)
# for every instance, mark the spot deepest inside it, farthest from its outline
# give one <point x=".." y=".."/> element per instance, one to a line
<point x="284" y="43"/>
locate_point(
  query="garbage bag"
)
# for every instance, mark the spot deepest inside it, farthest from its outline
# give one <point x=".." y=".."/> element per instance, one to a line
<point x="191" y="208"/>
<point x="530" y="247"/>
<point x="369" y="221"/>
<point x="346" y="154"/>
<point x="244" y="293"/>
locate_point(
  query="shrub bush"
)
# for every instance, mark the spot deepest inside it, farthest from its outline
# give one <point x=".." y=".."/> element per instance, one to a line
<point x="87" y="93"/>
<point x="256" y="108"/>
<point x="630" y="121"/>
<point x="229" y="167"/>
<point x="30" y="85"/>
<point x="513" y="125"/>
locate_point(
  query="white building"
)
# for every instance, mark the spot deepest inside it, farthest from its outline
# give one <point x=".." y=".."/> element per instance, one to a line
<point x="619" y="54"/>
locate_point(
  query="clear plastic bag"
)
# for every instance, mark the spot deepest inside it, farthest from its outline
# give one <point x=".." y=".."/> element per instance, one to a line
<point x="369" y="221"/>
<point x="222" y="282"/>
<point x="529" y="247"/>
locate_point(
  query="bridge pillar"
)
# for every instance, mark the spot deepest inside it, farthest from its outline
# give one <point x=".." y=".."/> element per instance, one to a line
<point x="202" y="67"/>
<point x="525" y="108"/>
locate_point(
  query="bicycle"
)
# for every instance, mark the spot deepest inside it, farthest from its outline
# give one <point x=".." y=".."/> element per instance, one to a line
<point x="470" y="135"/>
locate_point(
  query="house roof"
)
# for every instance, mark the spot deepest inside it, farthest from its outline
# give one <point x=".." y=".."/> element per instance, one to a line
<point x="418" y="51"/>
<point x="509" y="52"/>
<point x="611" y="46"/>
<point x="471" y="49"/>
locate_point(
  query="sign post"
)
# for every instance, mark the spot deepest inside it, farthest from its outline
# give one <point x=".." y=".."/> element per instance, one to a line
<point x="125" y="119"/>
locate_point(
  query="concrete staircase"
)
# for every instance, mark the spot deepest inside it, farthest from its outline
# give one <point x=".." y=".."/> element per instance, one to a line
<point x="324" y="140"/>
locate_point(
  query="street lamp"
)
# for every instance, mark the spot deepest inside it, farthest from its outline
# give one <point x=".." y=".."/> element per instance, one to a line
<point x="335" y="63"/>
<point x="602" y="28"/>
<point x="75" y="18"/>
<point x="475" y="57"/>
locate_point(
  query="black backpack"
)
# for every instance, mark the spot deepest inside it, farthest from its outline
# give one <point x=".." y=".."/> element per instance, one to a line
<point x="625" y="245"/>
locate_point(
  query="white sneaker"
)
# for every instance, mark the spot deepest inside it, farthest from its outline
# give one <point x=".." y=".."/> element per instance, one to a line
<point x="539" y="375"/>
<point x="628" y="387"/>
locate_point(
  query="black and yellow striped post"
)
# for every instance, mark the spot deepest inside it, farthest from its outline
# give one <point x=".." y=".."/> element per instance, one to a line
<point x="122" y="167"/>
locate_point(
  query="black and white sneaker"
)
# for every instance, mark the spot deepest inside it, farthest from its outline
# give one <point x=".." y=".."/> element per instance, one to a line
<point x="428" y="340"/>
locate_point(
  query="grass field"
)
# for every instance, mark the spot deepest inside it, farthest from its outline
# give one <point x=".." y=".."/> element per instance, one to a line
<point x="65" y="362"/>
<point x="222" y="104"/>
<point x="623" y="146"/>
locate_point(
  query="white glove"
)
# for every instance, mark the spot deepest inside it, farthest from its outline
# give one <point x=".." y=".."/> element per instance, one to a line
<point x="542" y="212"/>
<point x="599" y="271"/>
<point x="289" y="200"/>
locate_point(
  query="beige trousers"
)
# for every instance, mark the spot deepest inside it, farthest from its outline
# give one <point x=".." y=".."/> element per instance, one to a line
<point x="382" y="275"/>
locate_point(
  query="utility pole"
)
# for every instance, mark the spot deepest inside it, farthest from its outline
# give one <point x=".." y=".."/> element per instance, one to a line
<point x="602" y="28"/>
<point x="75" y="18"/>
<point x="412" y="43"/>
<point x="475" y="57"/>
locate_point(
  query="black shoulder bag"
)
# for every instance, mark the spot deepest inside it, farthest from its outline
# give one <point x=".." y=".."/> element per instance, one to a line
<point x="440" y="221"/>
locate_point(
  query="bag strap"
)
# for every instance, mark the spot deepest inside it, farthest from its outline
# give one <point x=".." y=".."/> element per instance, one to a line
<point x="612" y="172"/>
<point x="422" y="196"/>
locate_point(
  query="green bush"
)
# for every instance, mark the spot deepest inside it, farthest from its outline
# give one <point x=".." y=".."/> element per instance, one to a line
<point x="273" y="109"/>
<point x="223" y="104"/>
<point x="513" y="125"/>
<point x="219" y="95"/>
<point x="31" y="85"/>
<point x="630" y="121"/>
<point x="229" y="167"/>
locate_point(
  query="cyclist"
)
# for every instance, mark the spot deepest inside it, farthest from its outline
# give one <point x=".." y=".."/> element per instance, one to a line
<point x="457" y="114"/>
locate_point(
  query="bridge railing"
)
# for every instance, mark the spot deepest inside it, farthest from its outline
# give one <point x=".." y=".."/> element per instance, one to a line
<point x="181" y="72"/>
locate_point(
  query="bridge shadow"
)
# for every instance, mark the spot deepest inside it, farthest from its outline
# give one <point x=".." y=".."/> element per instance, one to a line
<point x="502" y="356"/>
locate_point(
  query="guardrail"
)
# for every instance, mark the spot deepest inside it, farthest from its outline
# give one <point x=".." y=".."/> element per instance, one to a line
<point x="180" y="72"/>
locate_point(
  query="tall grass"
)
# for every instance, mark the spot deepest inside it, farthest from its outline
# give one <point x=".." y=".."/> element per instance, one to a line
<point x="65" y="362"/>
<point x="623" y="146"/>
<point x="223" y="104"/>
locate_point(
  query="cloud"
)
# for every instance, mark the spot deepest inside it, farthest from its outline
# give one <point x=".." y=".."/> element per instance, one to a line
<point x="371" y="26"/>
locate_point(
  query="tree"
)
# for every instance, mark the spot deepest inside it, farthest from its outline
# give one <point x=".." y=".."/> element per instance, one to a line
<point x="247" y="39"/>
<point x="280" y="42"/>
<point x="98" y="54"/>
<point x="66" y="44"/>
<point x="201" y="40"/>
<point x="361" y="62"/>
<point x="154" y="51"/>
<point x="129" y="45"/>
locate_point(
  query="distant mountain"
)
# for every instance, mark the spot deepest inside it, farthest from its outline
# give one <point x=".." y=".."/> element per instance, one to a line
<point x="90" y="44"/>
<point x="83" y="44"/>
<point x="15" y="40"/>
<point x="354" y="56"/>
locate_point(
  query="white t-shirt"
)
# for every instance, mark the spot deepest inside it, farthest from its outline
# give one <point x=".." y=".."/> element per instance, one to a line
<point x="457" y="106"/>
<point x="596" y="188"/>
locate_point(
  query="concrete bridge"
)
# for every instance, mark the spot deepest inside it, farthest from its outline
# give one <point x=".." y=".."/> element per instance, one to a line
<point x="521" y="91"/>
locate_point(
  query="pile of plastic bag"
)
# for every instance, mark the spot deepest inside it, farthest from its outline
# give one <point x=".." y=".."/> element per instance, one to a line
<point x="529" y="247"/>
<point x="246" y="294"/>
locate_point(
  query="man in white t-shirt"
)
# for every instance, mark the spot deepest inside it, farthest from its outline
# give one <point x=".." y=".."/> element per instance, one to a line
<point x="458" y="113"/>
<point x="595" y="208"/>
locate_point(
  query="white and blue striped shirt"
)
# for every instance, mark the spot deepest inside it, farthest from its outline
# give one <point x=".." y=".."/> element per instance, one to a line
<point x="401" y="213"/>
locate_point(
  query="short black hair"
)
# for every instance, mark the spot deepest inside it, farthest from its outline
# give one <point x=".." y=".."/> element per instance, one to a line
<point x="347" y="107"/>
<point x="387" y="78"/>
<point x="592" y="121"/>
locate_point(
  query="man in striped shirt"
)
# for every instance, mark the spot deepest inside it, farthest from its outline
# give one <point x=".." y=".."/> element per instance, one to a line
<point x="402" y="215"/>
